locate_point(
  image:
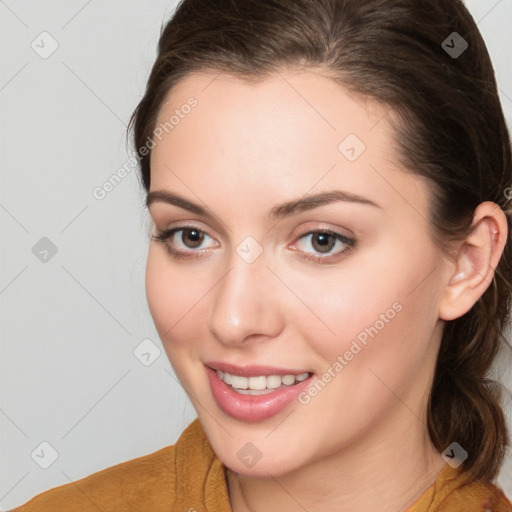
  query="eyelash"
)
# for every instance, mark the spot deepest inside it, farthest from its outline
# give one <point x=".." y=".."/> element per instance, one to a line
<point x="164" y="236"/>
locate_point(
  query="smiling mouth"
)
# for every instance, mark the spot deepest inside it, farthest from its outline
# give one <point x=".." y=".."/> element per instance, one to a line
<point x="260" y="384"/>
<point x="253" y="393"/>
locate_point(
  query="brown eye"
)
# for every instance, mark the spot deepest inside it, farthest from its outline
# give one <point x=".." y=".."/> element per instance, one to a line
<point x="323" y="242"/>
<point x="192" y="238"/>
<point x="184" y="241"/>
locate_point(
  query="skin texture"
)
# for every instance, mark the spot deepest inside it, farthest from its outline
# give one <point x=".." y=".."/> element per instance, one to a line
<point x="361" y="443"/>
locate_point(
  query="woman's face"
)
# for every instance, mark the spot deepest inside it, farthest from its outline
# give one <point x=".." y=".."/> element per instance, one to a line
<point x="345" y="289"/>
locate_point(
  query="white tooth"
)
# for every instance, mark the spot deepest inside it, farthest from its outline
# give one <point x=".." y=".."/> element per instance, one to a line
<point x="261" y="382"/>
<point x="239" y="382"/>
<point x="288" y="380"/>
<point x="273" y="381"/>
<point x="253" y="391"/>
<point x="258" y="383"/>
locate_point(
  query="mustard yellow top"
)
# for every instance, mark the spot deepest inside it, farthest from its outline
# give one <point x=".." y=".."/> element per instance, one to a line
<point x="188" y="477"/>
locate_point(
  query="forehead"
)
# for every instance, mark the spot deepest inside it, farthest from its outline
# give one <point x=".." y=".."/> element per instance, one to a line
<point x="277" y="102"/>
<point x="287" y="133"/>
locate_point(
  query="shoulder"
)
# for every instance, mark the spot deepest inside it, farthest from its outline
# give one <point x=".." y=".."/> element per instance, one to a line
<point x="476" y="497"/>
<point x="172" y="478"/>
<point x="453" y="491"/>
<point x="146" y="481"/>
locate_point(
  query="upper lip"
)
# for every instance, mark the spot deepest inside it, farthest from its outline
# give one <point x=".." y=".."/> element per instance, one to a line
<point x="252" y="370"/>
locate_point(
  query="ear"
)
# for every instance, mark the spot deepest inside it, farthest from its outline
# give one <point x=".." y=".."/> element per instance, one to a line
<point x="472" y="269"/>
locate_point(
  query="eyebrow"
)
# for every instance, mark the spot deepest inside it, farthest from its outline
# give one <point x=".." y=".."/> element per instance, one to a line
<point x="280" y="211"/>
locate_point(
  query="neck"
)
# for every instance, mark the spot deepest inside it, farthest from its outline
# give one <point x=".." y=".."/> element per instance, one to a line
<point x="385" y="471"/>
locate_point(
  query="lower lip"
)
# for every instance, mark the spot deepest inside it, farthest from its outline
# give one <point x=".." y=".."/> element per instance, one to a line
<point x="252" y="408"/>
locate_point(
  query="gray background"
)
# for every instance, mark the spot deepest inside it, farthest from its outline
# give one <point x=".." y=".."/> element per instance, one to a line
<point x="70" y="321"/>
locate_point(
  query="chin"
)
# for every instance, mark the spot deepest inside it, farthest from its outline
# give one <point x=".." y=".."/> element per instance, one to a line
<point x="262" y="469"/>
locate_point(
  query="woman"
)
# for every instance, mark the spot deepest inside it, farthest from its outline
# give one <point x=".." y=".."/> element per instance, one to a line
<point x="330" y="189"/>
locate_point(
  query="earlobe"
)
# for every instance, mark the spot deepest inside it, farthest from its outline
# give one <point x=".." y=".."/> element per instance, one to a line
<point x="473" y="265"/>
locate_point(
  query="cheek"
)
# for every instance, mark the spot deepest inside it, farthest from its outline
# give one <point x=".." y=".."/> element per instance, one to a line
<point x="384" y="324"/>
<point x="179" y="298"/>
<point x="378" y="312"/>
<point x="160" y="293"/>
<point x="344" y="305"/>
<point x="170" y="295"/>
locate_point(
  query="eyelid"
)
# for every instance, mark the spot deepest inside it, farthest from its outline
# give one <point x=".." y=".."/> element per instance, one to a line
<point x="163" y="236"/>
<point x="349" y="242"/>
<point x="328" y="231"/>
<point x="324" y="227"/>
<point x="182" y="225"/>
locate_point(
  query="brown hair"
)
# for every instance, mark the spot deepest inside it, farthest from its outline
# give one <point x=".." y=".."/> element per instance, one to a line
<point x="451" y="130"/>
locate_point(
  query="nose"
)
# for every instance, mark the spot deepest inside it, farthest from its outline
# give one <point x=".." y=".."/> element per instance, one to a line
<point x="245" y="304"/>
